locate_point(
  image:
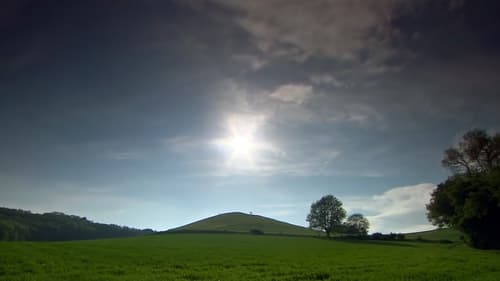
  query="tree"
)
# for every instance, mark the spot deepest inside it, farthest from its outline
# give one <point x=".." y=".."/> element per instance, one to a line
<point x="357" y="224"/>
<point x="326" y="214"/>
<point x="470" y="204"/>
<point x="469" y="201"/>
<point x="476" y="152"/>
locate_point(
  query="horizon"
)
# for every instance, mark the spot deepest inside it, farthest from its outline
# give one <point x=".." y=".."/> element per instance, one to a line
<point x="158" y="114"/>
<point x="212" y="217"/>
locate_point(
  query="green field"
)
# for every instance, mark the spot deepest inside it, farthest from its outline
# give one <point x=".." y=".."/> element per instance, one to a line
<point x="243" y="257"/>
<point x="244" y="223"/>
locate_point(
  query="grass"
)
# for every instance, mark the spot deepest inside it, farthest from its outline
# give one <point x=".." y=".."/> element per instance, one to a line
<point x="243" y="257"/>
<point x="244" y="223"/>
<point x="436" y="235"/>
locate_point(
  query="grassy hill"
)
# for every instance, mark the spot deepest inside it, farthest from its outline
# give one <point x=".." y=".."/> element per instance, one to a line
<point x="436" y="235"/>
<point x="243" y="257"/>
<point x="244" y="223"/>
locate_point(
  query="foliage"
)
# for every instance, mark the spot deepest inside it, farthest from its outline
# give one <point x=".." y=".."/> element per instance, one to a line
<point x="326" y="214"/>
<point x="471" y="204"/>
<point x="390" y="236"/>
<point x="357" y="224"/>
<point x="256" y="232"/>
<point x="243" y="257"/>
<point x="55" y="226"/>
<point x="476" y="152"/>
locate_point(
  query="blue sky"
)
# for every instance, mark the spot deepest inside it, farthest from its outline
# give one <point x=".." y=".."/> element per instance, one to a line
<point x="156" y="113"/>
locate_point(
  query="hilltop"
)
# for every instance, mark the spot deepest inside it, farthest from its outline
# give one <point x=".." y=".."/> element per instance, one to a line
<point x="237" y="222"/>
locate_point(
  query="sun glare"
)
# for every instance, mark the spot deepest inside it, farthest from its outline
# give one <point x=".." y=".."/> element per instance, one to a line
<point x="241" y="144"/>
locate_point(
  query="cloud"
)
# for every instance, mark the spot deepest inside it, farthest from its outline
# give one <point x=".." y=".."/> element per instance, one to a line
<point x="327" y="79"/>
<point x="124" y="155"/>
<point x="296" y="103"/>
<point x="295" y="93"/>
<point x="404" y="200"/>
<point x="253" y="61"/>
<point x="400" y="209"/>
<point x="345" y="30"/>
<point x="182" y="144"/>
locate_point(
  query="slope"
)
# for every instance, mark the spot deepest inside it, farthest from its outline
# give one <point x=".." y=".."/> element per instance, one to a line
<point x="436" y="235"/>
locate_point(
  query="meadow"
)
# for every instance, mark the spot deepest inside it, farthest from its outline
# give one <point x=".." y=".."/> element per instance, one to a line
<point x="243" y="257"/>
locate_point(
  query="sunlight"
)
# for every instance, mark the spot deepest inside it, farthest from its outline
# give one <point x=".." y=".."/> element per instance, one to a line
<point x="241" y="143"/>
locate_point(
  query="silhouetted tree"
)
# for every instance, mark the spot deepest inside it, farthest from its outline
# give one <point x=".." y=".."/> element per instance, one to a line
<point x="357" y="224"/>
<point x="469" y="201"/>
<point x="476" y="152"/>
<point x="326" y="214"/>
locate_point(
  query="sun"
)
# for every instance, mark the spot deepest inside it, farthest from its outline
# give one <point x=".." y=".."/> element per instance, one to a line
<point x="240" y="148"/>
<point x="241" y="144"/>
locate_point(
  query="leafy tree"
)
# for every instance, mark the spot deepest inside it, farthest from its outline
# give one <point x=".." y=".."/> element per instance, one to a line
<point x="470" y="200"/>
<point x="476" y="152"/>
<point x="326" y="214"/>
<point x="357" y="224"/>
<point x="471" y="204"/>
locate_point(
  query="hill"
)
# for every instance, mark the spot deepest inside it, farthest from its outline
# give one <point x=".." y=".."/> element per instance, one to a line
<point x="237" y="222"/>
<point x="436" y="235"/>
<point x="55" y="226"/>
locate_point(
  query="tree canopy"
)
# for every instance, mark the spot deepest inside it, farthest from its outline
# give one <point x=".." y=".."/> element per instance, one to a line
<point x="326" y="214"/>
<point x="476" y="152"/>
<point x="469" y="201"/>
<point x="357" y="224"/>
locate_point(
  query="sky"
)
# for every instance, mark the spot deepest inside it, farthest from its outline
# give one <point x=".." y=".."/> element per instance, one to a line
<point x="153" y="114"/>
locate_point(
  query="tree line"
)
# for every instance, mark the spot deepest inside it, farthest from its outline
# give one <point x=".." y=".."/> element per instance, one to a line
<point x="55" y="226"/>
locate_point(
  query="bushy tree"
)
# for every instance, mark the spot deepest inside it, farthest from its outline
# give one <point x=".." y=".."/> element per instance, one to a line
<point x="326" y="214"/>
<point x="469" y="201"/>
<point x="357" y="224"/>
<point x="471" y="204"/>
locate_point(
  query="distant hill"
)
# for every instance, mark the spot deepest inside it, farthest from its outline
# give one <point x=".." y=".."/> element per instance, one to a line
<point x="436" y="235"/>
<point x="55" y="226"/>
<point x="243" y="223"/>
